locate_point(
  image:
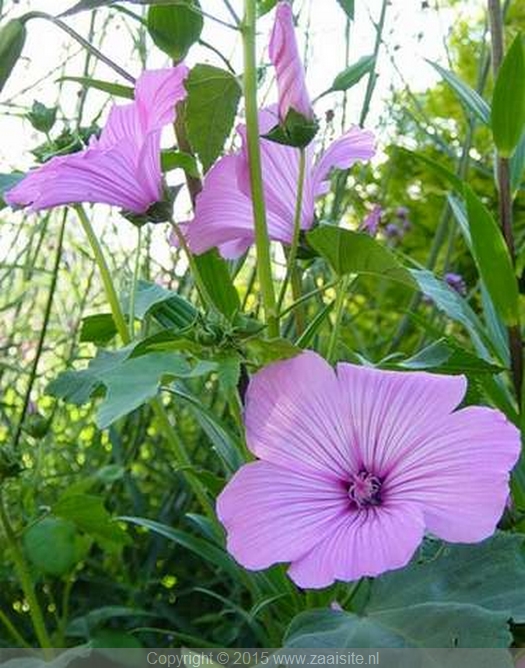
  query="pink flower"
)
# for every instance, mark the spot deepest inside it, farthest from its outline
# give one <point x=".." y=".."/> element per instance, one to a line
<point x="223" y="213"/>
<point x="284" y="55"/>
<point x="370" y="224"/>
<point x="122" y="168"/>
<point x="355" y="464"/>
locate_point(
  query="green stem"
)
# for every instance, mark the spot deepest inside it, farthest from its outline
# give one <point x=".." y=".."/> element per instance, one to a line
<point x="262" y="240"/>
<point x="13" y="631"/>
<point x="171" y="435"/>
<point x="105" y="274"/>
<point x="292" y="256"/>
<point x="339" y="305"/>
<point x="133" y="292"/>
<point x="201" y="287"/>
<point x="26" y="582"/>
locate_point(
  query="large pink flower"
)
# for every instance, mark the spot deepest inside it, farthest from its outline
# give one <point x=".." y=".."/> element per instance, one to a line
<point x="122" y="168"/>
<point x="223" y="213"/>
<point x="355" y="464"/>
<point x="285" y="57"/>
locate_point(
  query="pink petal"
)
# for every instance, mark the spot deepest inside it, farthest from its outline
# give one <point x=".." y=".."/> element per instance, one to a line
<point x="387" y="411"/>
<point x="459" y="472"/>
<point x="156" y="94"/>
<point x="294" y="417"/>
<point x="284" y="55"/>
<point x="359" y="544"/>
<point x="355" y="145"/>
<point x="224" y="214"/>
<point x="274" y="515"/>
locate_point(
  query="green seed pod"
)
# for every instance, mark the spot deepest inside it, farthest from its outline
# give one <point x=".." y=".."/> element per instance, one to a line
<point x="12" y="40"/>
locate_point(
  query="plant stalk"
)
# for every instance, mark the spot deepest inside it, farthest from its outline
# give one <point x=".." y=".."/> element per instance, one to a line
<point x="262" y="240"/>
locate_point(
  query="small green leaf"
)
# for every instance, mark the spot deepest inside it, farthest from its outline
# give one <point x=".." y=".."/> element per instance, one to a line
<point x="211" y="106"/>
<point x="446" y="357"/>
<point x="99" y="328"/>
<point x="348" y="7"/>
<point x="42" y="118"/>
<point x="492" y="258"/>
<point x="12" y="40"/>
<point x="265" y="351"/>
<point x="354" y="73"/>
<point x="471" y="100"/>
<point x="178" y="159"/>
<point x="508" y="100"/>
<point x="175" y="27"/>
<point x="357" y="253"/>
<point x="216" y="277"/>
<point x="52" y="546"/>
<point x="118" y="90"/>
<point x="8" y="181"/>
<point x="265" y="6"/>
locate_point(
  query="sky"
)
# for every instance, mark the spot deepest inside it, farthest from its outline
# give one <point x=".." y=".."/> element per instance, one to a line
<point x="412" y="33"/>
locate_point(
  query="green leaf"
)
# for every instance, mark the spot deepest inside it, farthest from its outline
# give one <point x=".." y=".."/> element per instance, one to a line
<point x="216" y="277"/>
<point x="81" y="627"/>
<point x="171" y="159"/>
<point x="353" y="74"/>
<point x="42" y="118"/>
<point x="52" y="546"/>
<point x="8" y="181"/>
<point x="175" y="27"/>
<point x="430" y="625"/>
<point x="356" y="253"/>
<point x="348" y="7"/>
<point x="211" y="107"/>
<point x="471" y="100"/>
<point x="150" y="296"/>
<point x="202" y="548"/>
<point x="118" y="90"/>
<point x="446" y="357"/>
<point x="508" y="99"/>
<point x="12" y="40"/>
<point x="133" y="382"/>
<point x="265" y="351"/>
<point x="265" y="6"/>
<point x="492" y="258"/>
<point x="99" y="328"/>
<point x="436" y="167"/>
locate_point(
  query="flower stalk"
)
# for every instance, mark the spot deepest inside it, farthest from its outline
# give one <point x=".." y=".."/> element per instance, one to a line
<point x="262" y="241"/>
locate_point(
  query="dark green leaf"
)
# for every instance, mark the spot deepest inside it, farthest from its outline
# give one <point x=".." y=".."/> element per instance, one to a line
<point x="149" y="296"/>
<point x="175" y="27"/>
<point x="493" y="259"/>
<point x="178" y="159"/>
<point x="211" y="106"/>
<point x="216" y="277"/>
<point x="446" y="357"/>
<point x="42" y="118"/>
<point x="472" y="100"/>
<point x="99" y="328"/>
<point x="118" y="90"/>
<point x="81" y="627"/>
<point x="517" y="165"/>
<point x="12" y="40"/>
<point x="357" y="253"/>
<point x="354" y="73"/>
<point x="8" y="181"/>
<point x="52" y="546"/>
<point x="508" y="99"/>
<point x="348" y="6"/>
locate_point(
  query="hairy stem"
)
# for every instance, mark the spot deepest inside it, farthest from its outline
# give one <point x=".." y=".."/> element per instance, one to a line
<point x="262" y="241"/>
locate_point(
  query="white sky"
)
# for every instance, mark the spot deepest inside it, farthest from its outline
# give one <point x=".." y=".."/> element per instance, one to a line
<point x="48" y="48"/>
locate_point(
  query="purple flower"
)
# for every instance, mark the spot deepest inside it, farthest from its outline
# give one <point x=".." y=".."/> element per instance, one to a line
<point x="356" y="463"/>
<point x="393" y="231"/>
<point x="370" y="224"/>
<point x="223" y="213"/>
<point x="456" y="282"/>
<point x="284" y="55"/>
<point x="122" y="168"/>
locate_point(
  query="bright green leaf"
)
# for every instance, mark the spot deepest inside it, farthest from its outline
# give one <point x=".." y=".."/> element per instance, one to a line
<point x="508" y="99"/>
<point x="357" y="253"/>
<point x="353" y="74"/>
<point x="171" y="159"/>
<point x="175" y="27"/>
<point x="51" y="545"/>
<point x="492" y="259"/>
<point x="471" y="100"/>
<point x="99" y="328"/>
<point x="216" y="277"/>
<point x="211" y="106"/>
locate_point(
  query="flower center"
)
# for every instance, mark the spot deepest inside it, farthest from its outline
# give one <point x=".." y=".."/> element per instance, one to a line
<point x="364" y="489"/>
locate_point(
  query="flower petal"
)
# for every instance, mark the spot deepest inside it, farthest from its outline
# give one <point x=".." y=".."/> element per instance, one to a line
<point x="157" y="92"/>
<point x="355" y="145"/>
<point x="459" y="473"/>
<point x="284" y="55"/>
<point x="294" y="417"/>
<point x="274" y="514"/>
<point x="365" y="543"/>
<point x="388" y="411"/>
<point x="224" y="214"/>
